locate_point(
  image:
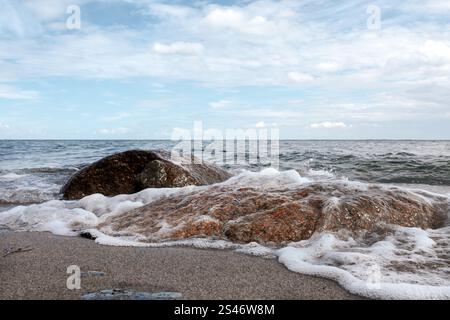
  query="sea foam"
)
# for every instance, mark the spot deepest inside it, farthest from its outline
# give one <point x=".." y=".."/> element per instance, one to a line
<point x="406" y="264"/>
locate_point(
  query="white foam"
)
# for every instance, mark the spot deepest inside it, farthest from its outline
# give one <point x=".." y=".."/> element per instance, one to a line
<point x="255" y="249"/>
<point x="101" y="205"/>
<point x="12" y="176"/>
<point x="392" y="268"/>
<point x="321" y="174"/>
<point x="24" y="188"/>
<point x="53" y="216"/>
<point x="27" y="195"/>
<point x="135" y="241"/>
<point x="269" y="178"/>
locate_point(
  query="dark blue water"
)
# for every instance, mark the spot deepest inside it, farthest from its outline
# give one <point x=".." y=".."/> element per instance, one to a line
<point x="34" y="171"/>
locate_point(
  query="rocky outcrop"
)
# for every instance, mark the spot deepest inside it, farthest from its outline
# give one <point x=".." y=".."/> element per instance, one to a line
<point x="132" y="171"/>
<point x="243" y="215"/>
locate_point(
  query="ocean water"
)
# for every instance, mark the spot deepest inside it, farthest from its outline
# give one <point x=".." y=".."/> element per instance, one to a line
<point x="401" y="263"/>
<point x="34" y="171"/>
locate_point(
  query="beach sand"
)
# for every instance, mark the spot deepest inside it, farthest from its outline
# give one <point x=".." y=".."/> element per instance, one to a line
<point x="195" y="273"/>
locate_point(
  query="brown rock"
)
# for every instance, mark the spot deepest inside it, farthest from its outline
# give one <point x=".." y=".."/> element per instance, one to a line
<point x="132" y="171"/>
<point x="276" y="216"/>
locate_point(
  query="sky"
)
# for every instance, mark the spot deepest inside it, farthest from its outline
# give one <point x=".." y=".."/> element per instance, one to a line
<point x="142" y="69"/>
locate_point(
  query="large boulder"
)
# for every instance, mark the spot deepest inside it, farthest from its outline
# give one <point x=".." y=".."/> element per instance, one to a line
<point x="132" y="171"/>
<point x="247" y="214"/>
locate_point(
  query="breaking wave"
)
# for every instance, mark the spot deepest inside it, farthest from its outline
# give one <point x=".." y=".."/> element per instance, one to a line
<point x="32" y="185"/>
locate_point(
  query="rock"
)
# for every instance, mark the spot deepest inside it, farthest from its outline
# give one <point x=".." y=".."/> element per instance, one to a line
<point x="247" y="214"/>
<point x="132" y="171"/>
<point x="120" y="294"/>
<point x="89" y="273"/>
<point x="87" y="235"/>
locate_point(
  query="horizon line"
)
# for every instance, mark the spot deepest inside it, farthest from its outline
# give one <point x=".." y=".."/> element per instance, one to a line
<point x="290" y="139"/>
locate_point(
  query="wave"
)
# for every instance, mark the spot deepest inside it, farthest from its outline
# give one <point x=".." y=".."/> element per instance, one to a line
<point x="27" y="192"/>
<point x="12" y="176"/>
<point x="32" y="185"/>
<point x="26" y="196"/>
<point x="391" y="167"/>
<point x="384" y="260"/>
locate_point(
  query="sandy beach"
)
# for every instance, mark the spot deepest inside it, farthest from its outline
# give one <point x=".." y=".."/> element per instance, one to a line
<point x="195" y="273"/>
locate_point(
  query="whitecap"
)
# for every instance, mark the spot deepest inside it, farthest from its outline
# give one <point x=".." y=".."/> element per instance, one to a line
<point x="12" y="176"/>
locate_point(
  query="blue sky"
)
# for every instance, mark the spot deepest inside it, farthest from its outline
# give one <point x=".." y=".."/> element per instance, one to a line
<point x="140" y="69"/>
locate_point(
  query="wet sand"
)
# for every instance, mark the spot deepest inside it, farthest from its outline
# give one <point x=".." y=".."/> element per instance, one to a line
<point x="195" y="273"/>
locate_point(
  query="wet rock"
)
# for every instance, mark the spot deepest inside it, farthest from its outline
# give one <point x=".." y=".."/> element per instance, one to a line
<point x="87" y="235"/>
<point x="87" y="274"/>
<point x="119" y="294"/>
<point x="132" y="171"/>
<point x="247" y="214"/>
<point x="163" y="174"/>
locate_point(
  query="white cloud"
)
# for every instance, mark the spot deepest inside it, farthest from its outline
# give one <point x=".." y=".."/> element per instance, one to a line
<point x="10" y="21"/>
<point x="32" y="17"/>
<point x="12" y="93"/>
<point x="328" y="125"/>
<point x="438" y="51"/>
<point x="49" y="9"/>
<point x="237" y="54"/>
<point x="4" y="126"/>
<point x="114" y="131"/>
<point x="437" y="5"/>
<point x="220" y="104"/>
<point x="225" y="17"/>
<point x="255" y="43"/>
<point x="329" y="66"/>
<point x="260" y="125"/>
<point x="300" y="77"/>
<point x="239" y="20"/>
<point x="427" y="6"/>
<point x="180" y="134"/>
<point x="116" y="117"/>
<point x="169" y="10"/>
<point x="162" y="103"/>
<point x="187" y="48"/>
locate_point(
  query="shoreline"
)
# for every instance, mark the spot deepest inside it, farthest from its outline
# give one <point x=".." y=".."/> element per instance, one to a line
<point x="197" y="274"/>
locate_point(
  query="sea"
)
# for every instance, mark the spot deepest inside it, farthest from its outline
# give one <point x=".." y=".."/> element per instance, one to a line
<point x="32" y="173"/>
